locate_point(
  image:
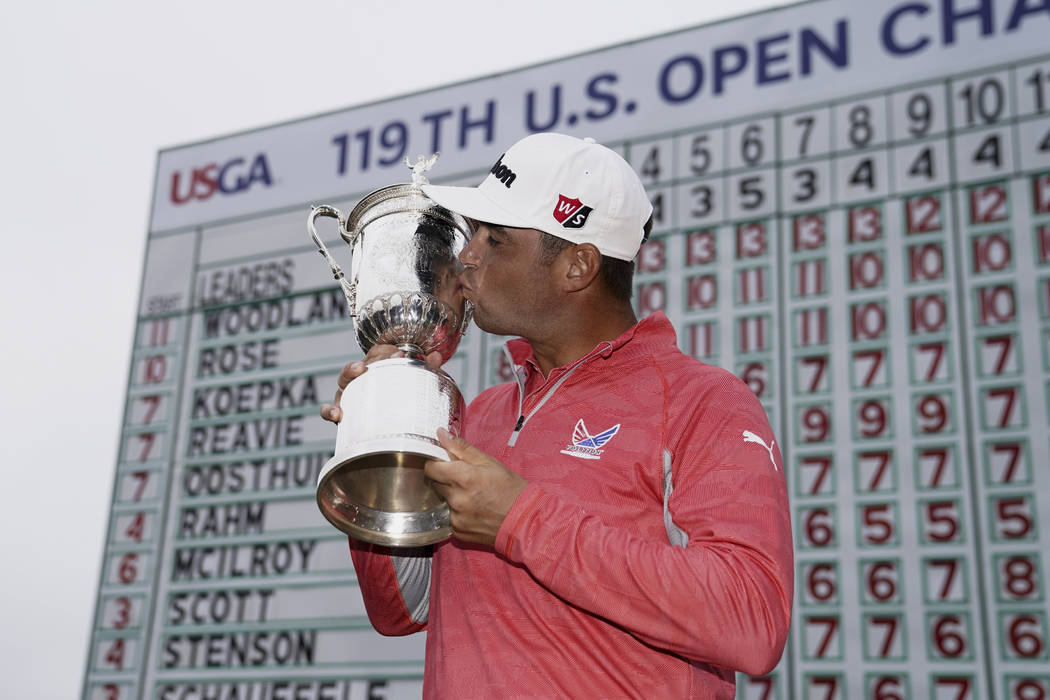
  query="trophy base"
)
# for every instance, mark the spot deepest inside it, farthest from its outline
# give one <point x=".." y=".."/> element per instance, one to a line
<point x="383" y="497"/>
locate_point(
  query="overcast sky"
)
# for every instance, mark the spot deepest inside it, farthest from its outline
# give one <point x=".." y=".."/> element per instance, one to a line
<point x="91" y="91"/>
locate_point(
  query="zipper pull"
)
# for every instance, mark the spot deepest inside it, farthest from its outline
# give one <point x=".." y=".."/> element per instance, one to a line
<point x="513" y="439"/>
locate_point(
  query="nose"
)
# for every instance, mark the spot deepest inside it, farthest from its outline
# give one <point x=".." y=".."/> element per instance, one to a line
<point x="469" y="255"/>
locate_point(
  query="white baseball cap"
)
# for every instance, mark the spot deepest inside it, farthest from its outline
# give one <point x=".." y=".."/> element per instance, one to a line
<point x="571" y="188"/>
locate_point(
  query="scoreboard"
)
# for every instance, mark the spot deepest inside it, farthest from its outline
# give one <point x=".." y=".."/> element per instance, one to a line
<point x="852" y="213"/>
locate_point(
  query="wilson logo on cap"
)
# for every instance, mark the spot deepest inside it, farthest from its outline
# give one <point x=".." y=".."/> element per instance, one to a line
<point x="503" y="173"/>
<point x="571" y="213"/>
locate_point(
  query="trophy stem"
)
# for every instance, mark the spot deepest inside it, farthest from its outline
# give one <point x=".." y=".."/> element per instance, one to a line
<point x="411" y="350"/>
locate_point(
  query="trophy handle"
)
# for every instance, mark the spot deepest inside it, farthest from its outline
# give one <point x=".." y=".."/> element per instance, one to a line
<point x="349" y="289"/>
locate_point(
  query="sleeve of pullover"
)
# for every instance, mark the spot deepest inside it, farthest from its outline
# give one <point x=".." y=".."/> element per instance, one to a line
<point x="395" y="585"/>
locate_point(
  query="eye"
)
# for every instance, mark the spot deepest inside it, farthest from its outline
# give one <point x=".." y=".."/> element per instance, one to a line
<point x="492" y="241"/>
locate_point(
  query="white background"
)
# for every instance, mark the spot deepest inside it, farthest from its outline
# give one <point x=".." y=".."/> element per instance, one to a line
<point x="90" y="92"/>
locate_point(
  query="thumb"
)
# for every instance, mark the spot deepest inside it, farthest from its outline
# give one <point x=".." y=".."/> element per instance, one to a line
<point x="457" y="447"/>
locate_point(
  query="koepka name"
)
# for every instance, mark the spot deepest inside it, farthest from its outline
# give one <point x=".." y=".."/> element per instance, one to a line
<point x="249" y="397"/>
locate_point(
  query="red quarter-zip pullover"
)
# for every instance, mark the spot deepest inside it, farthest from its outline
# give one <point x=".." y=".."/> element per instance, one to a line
<point x="650" y="556"/>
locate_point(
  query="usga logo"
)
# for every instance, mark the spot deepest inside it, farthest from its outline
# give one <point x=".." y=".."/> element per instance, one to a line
<point x="234" y="176"/>
<point x="588" y="446"/>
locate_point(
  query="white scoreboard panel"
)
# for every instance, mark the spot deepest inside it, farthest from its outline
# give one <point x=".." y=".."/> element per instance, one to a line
<point x="852" y="214"/>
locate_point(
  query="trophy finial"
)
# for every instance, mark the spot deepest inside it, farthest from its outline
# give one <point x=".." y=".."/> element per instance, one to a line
<point x="421" y="165"/>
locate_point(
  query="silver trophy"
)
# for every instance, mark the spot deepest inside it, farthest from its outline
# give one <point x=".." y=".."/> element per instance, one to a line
<point x="404" y="292"/>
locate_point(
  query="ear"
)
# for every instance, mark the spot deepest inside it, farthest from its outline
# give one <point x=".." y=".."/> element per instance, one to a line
<point x="578" y="266"/>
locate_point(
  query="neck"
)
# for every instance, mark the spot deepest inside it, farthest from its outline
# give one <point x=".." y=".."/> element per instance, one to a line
<point x="573" y="335"/>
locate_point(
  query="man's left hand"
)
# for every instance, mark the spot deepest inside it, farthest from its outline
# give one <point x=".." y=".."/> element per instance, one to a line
<point x="479" y="489"/>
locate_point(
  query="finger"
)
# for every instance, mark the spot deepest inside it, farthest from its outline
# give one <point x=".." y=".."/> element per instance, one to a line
<point x="382" y="352"/>
<point x="331" y="413"/>
<point x="458" y="448"/>
<point x="434" y="359"/>
<point x="439" y="472"/>
<point x="350" y="372"/>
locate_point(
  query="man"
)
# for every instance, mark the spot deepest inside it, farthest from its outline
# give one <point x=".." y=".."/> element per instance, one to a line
<point x="619" y="512"/>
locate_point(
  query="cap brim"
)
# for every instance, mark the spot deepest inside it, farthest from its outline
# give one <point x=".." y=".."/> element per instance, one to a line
<point x="472" y="203"/>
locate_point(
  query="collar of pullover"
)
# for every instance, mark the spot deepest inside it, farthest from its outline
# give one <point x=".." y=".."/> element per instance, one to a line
<point x="653" y="330"/>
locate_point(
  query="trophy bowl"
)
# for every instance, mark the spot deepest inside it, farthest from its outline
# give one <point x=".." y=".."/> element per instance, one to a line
<point x="405" y="291"/>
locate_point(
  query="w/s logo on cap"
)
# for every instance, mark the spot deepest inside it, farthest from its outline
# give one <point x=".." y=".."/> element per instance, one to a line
<point x="570" y="212"/>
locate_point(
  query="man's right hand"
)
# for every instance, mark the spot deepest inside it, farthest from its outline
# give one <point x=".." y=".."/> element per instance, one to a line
<point x="353" y="370"/>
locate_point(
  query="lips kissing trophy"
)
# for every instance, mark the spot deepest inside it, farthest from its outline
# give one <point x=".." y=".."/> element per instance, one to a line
<point x="404" y="292"/>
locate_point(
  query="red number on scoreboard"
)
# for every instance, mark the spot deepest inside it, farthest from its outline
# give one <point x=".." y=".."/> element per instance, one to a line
<point x="926" y="262"/>
<point x="932" y="414"/>
<point x="751" y="240"/>
<point x="829" y="684"/>
<point x="885" y="626"/>
<point x="991" y="253"/>
<point x="941" y="577"/>
<point x="142" y="478"/>
<point x="1013" y="518"/>
<point x="765" y="686"/>
<point x="1029" y="688"/>
<point x="815" y="423"/>
<point x="136" y="527"/>
<point x="949" y="636"/>
<point x="923" y="214"/>
<point x="928" y="313"/>
<point x="701" y="292"/>
<point x="935" y="461"/>
<point x="652" y="256"/>
<point x="154" y="369"/>
<point x="1041" y="193"/>
<point x="960" y="686"/>
<point x="868" y="365"/>
<point x="756" y="376"/>
<point x="888" y="688"/>
<point x="825" y="629"/>
<point x="941" y="521"/>
<point x="988" y="204"/>
<point x="127" y="569"/>
<point x="872" y="418"/>
<point x="819" y="528"/>
<point x="876" y="463"/>
<point x="1024" y="635"/>
<point x="700" y="248"/>
<point x="115" y="654"/>
<point x="1018" y="578"/>
<point x="819" y="483"/>
<point x="996" y="305"/>
<point x="808" y="232"/>
<point x="877" y="523"/>
<point x="880" y="581"/>
<point x="865" y="224"/>
<point x="652" y="296"/>
<point x="123" y="613"/>
<point x="147" y="440"/>
<point x="1001" y="406"/>
<point x="821" y="582"/>
<point x="868" y="320"/>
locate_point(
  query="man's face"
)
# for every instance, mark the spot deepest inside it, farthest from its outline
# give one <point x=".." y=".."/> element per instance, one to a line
<point x="504" y="278"/>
